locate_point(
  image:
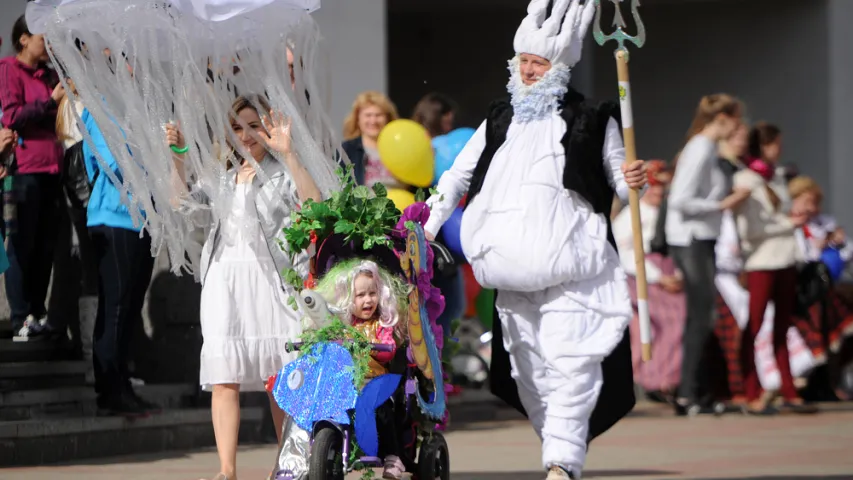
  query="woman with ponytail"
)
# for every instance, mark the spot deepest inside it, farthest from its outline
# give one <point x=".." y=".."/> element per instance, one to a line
<point x="699" y="193"/>
<point x="771" y="253"/>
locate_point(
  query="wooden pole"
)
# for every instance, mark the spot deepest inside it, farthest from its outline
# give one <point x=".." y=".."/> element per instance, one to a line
<point x="634" y="204"/>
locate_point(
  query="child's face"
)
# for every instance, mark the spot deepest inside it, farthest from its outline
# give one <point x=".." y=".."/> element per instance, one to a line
<point x="366" y="297"/>
<point x="806" y="204"/>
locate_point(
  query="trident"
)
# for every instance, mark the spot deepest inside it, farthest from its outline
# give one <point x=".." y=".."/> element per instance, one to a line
<point x="622" y="55"/>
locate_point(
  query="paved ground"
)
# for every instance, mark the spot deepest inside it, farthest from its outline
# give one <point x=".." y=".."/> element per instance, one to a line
<point x="650" y="445"/>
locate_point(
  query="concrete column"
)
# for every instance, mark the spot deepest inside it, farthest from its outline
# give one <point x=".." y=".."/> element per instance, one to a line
<point x="355" y="45"/>
<point x="9" y="13"/>
<point x="840" y="88"/>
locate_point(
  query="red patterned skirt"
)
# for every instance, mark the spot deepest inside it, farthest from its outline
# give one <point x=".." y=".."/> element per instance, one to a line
<point x="839" y="325"/>
<point x="724" y="354"/>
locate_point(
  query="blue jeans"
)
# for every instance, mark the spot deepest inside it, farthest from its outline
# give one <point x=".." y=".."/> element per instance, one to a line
<point x="32" y="244"/>
<point x="125" y="265"/>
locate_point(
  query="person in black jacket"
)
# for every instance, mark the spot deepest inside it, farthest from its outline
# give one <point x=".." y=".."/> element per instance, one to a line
<point x="536" y="229"/>
<point x="371" y="111"/>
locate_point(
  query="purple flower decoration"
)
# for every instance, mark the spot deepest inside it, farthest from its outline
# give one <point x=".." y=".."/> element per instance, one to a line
<point x="419" y="213"/>
<point x="416" y="212"/>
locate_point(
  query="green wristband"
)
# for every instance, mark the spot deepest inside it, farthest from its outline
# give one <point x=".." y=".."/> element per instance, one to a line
<point x="180" y="151"/>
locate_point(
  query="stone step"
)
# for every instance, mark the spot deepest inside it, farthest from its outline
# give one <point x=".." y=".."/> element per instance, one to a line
<point x="80" y="401"/>
<point x="42" y="375"/>
<point x="33" y="351"/>
<point x="5" y="328"/>
<point x="39" y="442"/>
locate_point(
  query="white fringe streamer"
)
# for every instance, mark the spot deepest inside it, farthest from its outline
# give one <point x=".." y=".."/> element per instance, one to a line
<point x="145" y="63"/>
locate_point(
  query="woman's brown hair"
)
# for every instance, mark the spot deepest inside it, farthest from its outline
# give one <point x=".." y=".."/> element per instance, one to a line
<point x="762" y="134"/>
<point x="712" y="105"/>
<point x="252" y="101"/>
<point x="430" y="110"/>
<point x="20" y="29"/>
<point x="363" y="100"/>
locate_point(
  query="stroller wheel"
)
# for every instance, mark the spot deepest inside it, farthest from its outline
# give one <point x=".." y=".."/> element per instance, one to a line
<point x="327" y="456"/>
<point x="434" y="459"/>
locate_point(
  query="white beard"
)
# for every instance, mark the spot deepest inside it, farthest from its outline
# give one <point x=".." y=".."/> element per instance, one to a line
<point x="537" y="101"/>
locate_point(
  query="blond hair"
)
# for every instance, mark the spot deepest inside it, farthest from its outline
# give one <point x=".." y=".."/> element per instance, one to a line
<point x="62" y="128"/>
<point x="364" y="100"/>
<point x="801" y="185"/>
<point x="712" y="105"/>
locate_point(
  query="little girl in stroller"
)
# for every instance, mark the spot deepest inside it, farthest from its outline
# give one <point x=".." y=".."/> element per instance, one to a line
<point x="369" y="296"/>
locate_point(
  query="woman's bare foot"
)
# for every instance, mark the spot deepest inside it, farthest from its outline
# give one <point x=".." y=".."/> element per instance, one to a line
<point x="222" y="476"/>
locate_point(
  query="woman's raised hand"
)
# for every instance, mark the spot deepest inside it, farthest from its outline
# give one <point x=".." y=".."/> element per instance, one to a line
<point x="58" y="93"/>
<point x="174" y="137"/>
<point x="278" y="132"/>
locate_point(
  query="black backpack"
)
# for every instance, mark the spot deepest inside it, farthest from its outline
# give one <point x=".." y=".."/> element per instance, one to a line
<point x="814" y="283"/>
<point x="76" y="180"/>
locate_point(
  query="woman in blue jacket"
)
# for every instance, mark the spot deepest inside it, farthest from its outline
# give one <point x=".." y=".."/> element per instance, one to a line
<point x="125" y="265"/>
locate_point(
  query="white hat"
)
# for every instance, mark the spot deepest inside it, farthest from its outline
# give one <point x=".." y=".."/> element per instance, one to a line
<point x="558" y="37"/>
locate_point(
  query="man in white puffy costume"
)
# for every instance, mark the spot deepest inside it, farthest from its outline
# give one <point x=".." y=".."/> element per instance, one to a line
<point x="540" y="174"/>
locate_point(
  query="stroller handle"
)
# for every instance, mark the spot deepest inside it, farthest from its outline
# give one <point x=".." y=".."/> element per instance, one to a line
<point x="376" y="347"/>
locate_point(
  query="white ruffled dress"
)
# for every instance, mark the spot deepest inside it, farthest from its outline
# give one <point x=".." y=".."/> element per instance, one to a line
<point x="245" y="319"/>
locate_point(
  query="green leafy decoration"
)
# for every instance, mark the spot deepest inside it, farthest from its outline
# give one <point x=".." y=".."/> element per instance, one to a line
<point x="359" y="213"/>
<point x="361" y="192"/>
<point x="380" y="190"/>
<point x="355" y="455"/>
<point x="353" y="341"/>
<point x="344" y="226"/>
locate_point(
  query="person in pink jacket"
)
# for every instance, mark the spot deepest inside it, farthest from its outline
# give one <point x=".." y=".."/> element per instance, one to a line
<point x="29" y="94"/>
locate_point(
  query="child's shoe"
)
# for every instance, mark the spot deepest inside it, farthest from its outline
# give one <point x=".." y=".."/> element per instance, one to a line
<point x="394" y="468"/>
<point x="559" y="473"/>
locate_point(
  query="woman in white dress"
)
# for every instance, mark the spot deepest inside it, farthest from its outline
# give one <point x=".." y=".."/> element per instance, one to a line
<point x="245" y="319"/>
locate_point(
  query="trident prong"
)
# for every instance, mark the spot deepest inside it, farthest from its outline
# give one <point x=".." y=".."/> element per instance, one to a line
<point x="619" y="35"/>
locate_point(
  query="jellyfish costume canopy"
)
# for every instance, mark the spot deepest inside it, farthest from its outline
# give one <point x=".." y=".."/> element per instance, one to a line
<point x="139" y="64"/>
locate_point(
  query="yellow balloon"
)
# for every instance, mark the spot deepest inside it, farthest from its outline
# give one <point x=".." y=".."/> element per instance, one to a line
<point x="401" y="198"/>
<point x="405" y="149"/>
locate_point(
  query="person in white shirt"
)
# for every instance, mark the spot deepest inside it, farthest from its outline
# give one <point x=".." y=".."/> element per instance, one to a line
<point x="667" y="307"/>
<point x="770" y="253"/>
<point x="733" y="308"/>
<point x="699" y="194"/>
<point x="540" y="174"/>
<point x="765" y="143"/>
<point x="736" y="298"/>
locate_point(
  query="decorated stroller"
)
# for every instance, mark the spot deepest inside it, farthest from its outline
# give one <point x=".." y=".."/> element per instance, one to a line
<point x="331" y="426"/>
